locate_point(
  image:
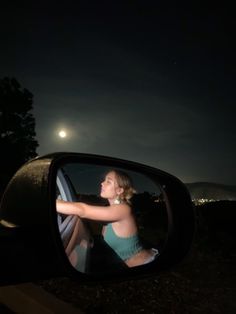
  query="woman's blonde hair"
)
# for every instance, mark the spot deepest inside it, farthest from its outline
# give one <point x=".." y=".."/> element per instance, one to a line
<point x="125" y="182"/>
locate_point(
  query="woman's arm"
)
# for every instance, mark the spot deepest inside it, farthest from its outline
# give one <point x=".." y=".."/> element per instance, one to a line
<point x="100" y="213"/>
<point x="69" y="208"/>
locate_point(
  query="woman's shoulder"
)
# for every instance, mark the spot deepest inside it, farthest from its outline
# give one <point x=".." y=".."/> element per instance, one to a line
<point x="125" y="207"/>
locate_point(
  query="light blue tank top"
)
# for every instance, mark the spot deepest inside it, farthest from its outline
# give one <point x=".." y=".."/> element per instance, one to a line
<point x="124" y="247"/>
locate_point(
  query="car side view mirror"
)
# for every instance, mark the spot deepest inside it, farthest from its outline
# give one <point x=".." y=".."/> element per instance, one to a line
<point x="38" y="241"/>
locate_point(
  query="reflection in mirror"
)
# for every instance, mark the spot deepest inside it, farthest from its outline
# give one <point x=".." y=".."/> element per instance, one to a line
<point x="109" y="219"/>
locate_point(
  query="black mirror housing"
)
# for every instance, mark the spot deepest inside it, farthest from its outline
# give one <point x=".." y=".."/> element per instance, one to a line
<point x="31" y="246"/>
<point x="27" y="245"/>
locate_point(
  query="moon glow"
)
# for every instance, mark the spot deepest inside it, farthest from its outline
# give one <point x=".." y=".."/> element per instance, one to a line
<point x="62" y="134"/>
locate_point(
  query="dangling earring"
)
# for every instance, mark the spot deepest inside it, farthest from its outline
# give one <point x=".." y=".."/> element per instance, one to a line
<point x="117" y="200"/>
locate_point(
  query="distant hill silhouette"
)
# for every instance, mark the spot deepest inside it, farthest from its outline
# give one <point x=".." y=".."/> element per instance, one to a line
<point x="209" y="190"/>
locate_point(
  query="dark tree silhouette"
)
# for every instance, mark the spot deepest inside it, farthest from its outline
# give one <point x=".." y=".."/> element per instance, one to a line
<point x="17" y="128"/>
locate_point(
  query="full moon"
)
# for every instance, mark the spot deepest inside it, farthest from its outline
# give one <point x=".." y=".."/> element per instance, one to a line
<point x="62" y="133"/>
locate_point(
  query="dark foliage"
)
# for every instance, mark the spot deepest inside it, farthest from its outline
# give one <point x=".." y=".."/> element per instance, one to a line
<point x="218" y="217"/>
<point x="17" y="128"/>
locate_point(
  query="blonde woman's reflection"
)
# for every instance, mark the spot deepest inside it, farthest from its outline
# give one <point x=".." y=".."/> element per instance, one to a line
<point x="120" y="232"/>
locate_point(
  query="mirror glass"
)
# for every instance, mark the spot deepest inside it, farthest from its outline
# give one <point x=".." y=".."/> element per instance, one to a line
<point x="109" y="218"/>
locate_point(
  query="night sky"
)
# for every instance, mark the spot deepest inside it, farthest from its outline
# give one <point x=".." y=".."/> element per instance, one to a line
<point x="147" y="83"/>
